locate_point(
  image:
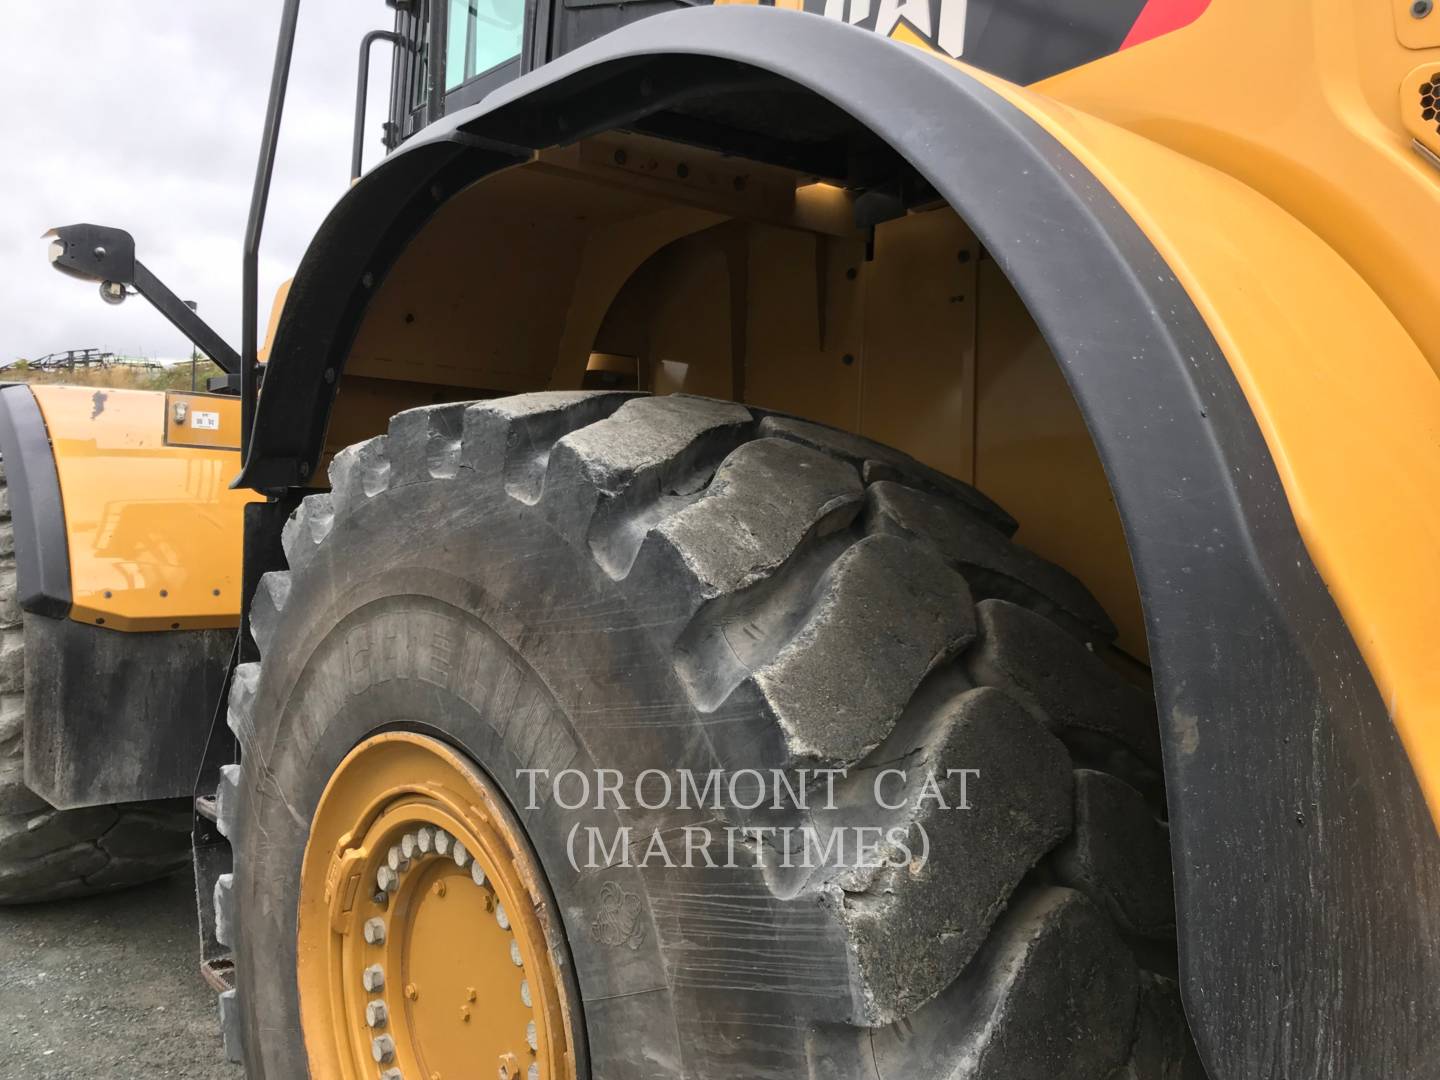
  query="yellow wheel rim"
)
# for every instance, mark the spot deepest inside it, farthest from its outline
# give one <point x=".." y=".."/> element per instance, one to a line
<point x="426" y="945"/>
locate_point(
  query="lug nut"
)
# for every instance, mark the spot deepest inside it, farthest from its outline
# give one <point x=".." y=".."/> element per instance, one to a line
<point x="382" y="1049"/>
<point x="425" y="839"/>
<point x="477" y="874"/>
<point x="373" y="978"/>
<point x="461" y="856"/>
<point x="443" y="840"/>
<point x="531" y="1037"/>
<point x="376" y="1014"/>
<point x="397" y="860"/>
<point x="525" y="992"/>
<point x="514" y="952"/>
<point x="392" y="1074"/>
<point x="387" y="879"/>
<point x="534" y="1072"/>
<point x="374" y="931"/>
<point x="501" y="917"/>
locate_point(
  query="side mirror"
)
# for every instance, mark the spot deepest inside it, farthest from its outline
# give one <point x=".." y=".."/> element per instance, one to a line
<point x="93" y="253"/>
<point x="100" y="253"/>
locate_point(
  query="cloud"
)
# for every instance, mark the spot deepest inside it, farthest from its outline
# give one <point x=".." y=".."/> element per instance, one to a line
<point x="147" y="116"/>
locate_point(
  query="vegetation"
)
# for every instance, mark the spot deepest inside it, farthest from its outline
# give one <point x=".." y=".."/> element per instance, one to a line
<point x="118" y="376"/>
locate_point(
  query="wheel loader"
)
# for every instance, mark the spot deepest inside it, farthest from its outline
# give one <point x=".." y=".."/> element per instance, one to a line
<point x="844" y="539"/>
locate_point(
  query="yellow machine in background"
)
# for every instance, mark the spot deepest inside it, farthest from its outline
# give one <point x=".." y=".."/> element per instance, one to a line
<point x="122" y="591"/>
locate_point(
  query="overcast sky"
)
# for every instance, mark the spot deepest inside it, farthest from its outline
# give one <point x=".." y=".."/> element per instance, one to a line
<point x="146" y="115"/>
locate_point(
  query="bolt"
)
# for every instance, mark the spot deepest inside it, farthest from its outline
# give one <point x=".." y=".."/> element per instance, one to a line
<point x="509" y="1067"/>
<point x="376" y="1014"/>
<point x="374" y="931"/>
<point x="515" y="953"/>
<point x="531" y="1037"/>
<point x="461" y="856"/>
<point x="409" y="845"/>
<point x="464" y="1014"/>
<point x="387" y="879"/>
<point x="438" y="889"/>
<point x="477" y="874"/>
<point x="412" y="991"/>
<point x="443" y="841"/>
<point x="1421" y="8"/>
<point x="525" y="992"/>
<point x="533" y="1073"/>
<point x="425" y="839"/>
<point x="100" y="252"/>
<point x="392" y="1074"/>
<point x="501" y="917"/>
<point x="382" y="1049"/>
<point x="470" y="993"/>
<point x="396" y="860"/>
<point x="373" y="978"/>
<point x="381" y="898"/>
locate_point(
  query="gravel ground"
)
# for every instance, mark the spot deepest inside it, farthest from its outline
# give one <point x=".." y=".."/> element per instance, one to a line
<point x="108" y="987"/>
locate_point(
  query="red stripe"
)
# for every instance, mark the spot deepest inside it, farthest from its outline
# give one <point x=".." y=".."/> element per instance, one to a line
<point x="1160" y="17"/>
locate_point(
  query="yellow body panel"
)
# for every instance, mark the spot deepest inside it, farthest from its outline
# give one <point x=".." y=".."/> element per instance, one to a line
<point x="1300" y="100"/>
<point x="1344" y="395"/>
<point x="154" y="530"/>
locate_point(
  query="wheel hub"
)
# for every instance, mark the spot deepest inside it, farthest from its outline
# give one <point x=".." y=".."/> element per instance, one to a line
<point x="427" y="945"/>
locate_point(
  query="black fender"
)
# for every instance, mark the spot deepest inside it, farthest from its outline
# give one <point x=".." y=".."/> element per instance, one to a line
<point x="37" y="513"/>
<point x="1307" y="865"/>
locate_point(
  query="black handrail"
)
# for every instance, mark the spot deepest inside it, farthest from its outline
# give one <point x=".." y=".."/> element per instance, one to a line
<point x="362" y="90"/>
<point x="259" y="196"/>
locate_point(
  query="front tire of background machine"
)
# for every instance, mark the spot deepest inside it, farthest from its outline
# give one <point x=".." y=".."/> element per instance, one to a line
<point x="607" y="581"/>
<point x="49" y="854"/>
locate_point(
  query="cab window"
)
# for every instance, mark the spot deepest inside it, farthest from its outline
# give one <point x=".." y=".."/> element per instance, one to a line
<point x="481" y="35"/>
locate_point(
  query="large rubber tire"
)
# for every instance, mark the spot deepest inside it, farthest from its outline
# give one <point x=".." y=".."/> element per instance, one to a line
<point x="47" y="854"/>
<point x="593" y="580"/>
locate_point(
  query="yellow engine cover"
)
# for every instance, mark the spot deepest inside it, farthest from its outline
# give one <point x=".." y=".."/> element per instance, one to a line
<point x="154" y="531"/>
